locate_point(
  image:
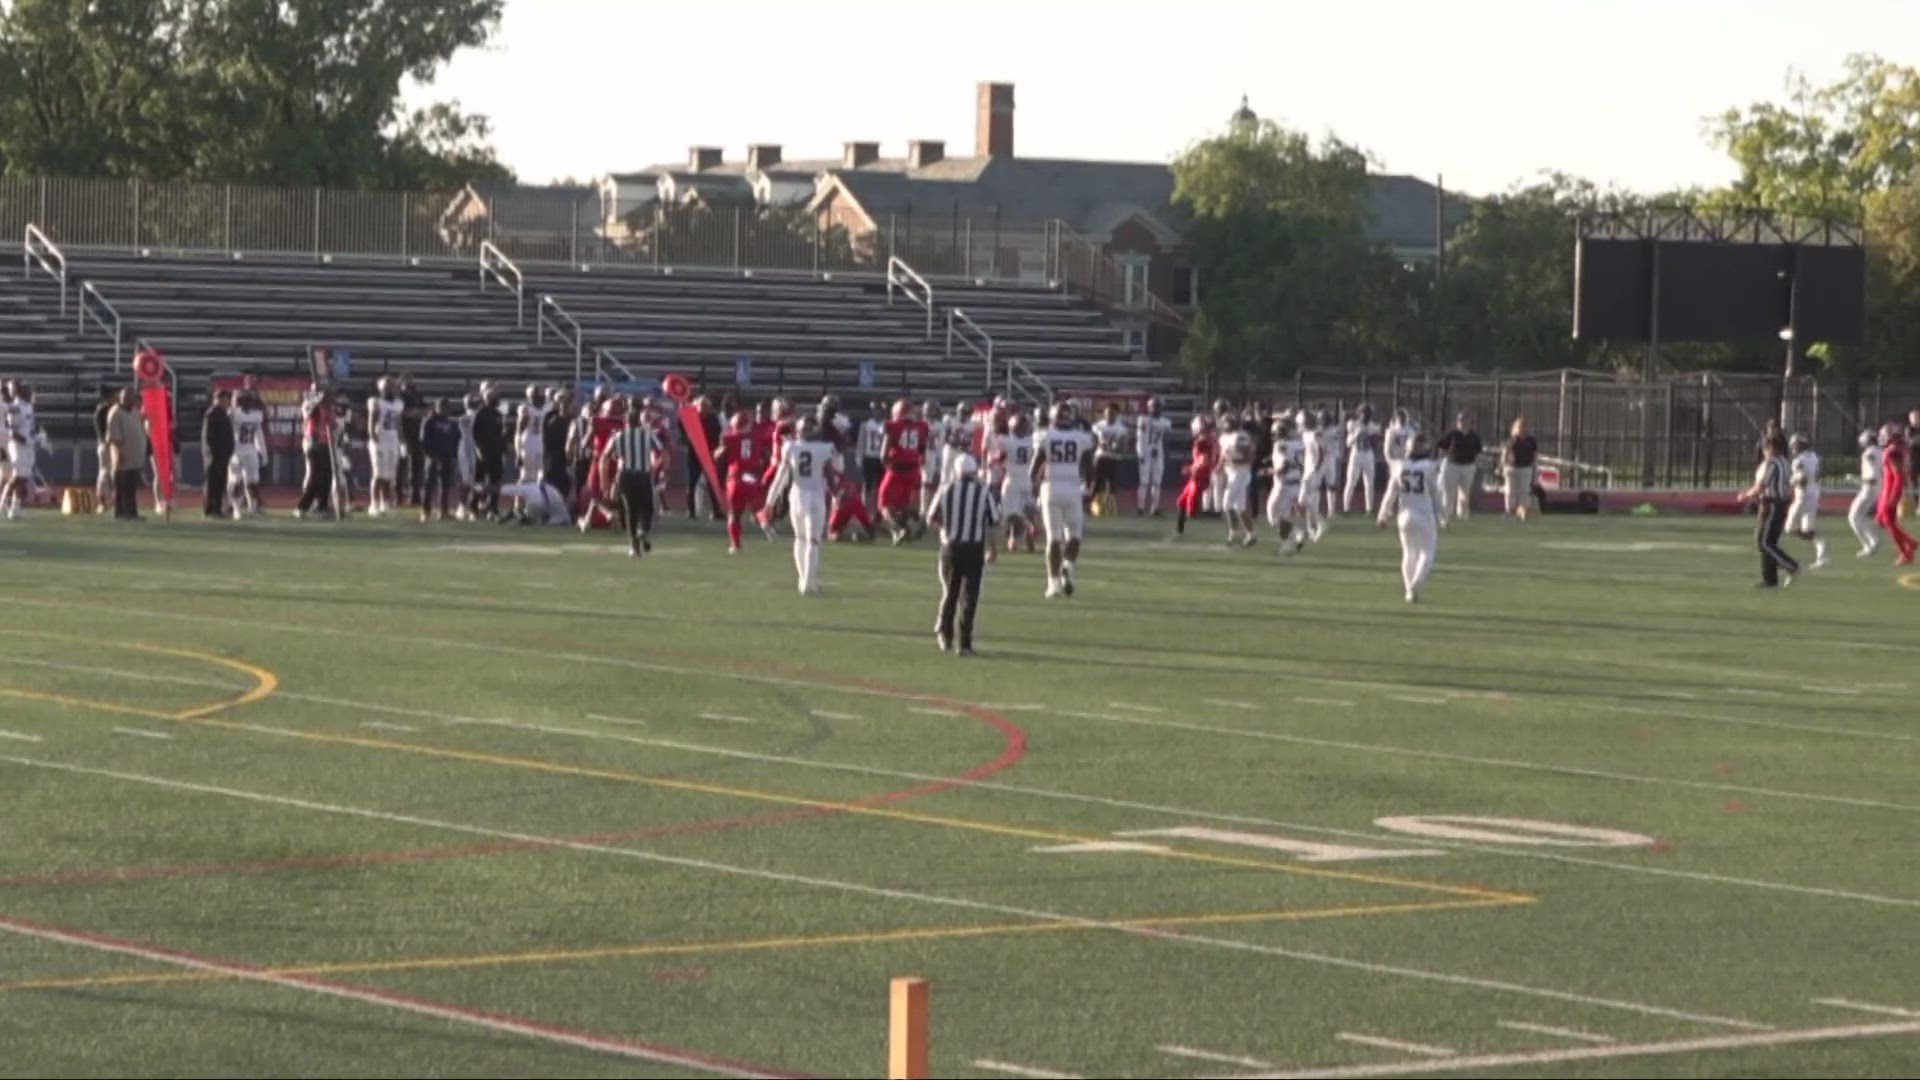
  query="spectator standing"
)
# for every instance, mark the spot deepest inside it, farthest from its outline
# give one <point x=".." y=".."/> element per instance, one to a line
<point x="1517" y="463"/>
<point x="316" y="444"/>
<point x="126" y="443"/>
<point x="557" y="469"/>
<point x="440" y="452"/>
<point x="1459" y="465"/>
<point x="103" y="478"/>
<point x="217" y="444"/>
<point x="415" y="411"/>
<point x="490" y="454"/>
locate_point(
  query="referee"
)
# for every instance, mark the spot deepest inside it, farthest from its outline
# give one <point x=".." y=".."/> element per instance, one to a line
<point x="632" y="450"/>
<point x="1772" y="489"/>
<point x="966" y="511"/>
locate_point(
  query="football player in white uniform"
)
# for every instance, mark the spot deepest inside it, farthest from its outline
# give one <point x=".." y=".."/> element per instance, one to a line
<point x="24" y="438"/>
<point x="1236" y="459"/>
<point x="873" y="451"/>
<point x="1062" y="464"/>
<point x="1013" y="456"/>
<point x="1313" y="467"/>
<point x="1399" y="441"/>
<point x="383" y="444"/>
<point x="1150" y="446"/>
<point x="1362" y="436"/>
<point x="809" y="469"/>
<point x="1806" y="498"/>
<point x="1216" y="493"/>
<point x="956" y="440"/>
<point x="249" y="454"/>
<point x="1110" y="437"/>
<point x="1333" y="449"/>
<point x="1413" y="503"/>
<point x="1284" y="510"/>
<point x="1867" y="501"/>
<point x="934" y="469"/>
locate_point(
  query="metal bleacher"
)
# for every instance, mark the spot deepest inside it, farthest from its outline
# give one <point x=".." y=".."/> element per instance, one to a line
<point x="454" y="323"/>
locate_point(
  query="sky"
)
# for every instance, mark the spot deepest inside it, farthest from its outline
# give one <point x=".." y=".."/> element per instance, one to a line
<point x="1484" y="93"/>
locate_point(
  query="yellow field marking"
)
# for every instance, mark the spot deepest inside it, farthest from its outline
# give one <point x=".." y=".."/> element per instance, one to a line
<point x="1909" y="581"/>
<point x="779" y="944"/>
<point x="266" y="683"/>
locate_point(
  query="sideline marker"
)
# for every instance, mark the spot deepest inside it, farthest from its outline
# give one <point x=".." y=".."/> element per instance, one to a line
<point x="908" y="1035"/>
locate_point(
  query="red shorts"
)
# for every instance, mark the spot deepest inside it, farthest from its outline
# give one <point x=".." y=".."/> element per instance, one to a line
<point x="899" y="488"/>
<point x="745" y="495"/>
<point x="1197" y="483"/>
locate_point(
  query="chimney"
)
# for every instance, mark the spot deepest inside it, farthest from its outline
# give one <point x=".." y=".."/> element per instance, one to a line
<point x="993" y="123"/>
<point x="762" y="157"/>
<point x="858" y="155"/>
<point x="702" y="158"/>
<point x="924" y="152"/>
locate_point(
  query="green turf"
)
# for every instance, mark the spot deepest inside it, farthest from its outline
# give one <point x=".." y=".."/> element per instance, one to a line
<point x="736" y="766"/>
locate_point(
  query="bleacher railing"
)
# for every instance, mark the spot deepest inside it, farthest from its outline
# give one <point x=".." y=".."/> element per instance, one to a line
<point x="94" y="308"/>
<point x="494" y="264"/>
<point x="964" y="332"/>
<point x="552" y="318"/>
<point x="903" y="279"/>
<point x="36" y="249"/>
<point x="605" y="364"/>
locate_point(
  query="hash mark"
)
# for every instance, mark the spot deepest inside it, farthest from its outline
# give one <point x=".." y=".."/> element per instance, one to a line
<point x="1229" y="704"/>
<point x="1422" y="1049"/>
<point x="384" y="726"/>
<point x="1133" y="708"/>
<point x="825" y="715"/>
<point x="141" y="733"/>
<point x="1564" y="1033"/>
<point x="727" y="719"/>
<point x="20" y="735"/>
<point x="1867" y="1006"/>
<point x="1022" y="1070"/>
<point x="1216" y="1058"/>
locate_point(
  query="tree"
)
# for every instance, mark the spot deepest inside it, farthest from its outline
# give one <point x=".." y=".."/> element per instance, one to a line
<point x="1279" y="233"/>
<point x="273" y="91"/>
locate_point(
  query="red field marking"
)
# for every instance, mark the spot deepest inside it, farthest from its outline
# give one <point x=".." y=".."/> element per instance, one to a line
<point x="493" y="1021"/>
<point x="1734" y="806"/>
<point x="1723" y="770"/>
<point x="1013" y="749"/>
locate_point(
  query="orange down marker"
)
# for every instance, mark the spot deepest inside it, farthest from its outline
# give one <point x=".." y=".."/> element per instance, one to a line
<point x="908" y="1034"/>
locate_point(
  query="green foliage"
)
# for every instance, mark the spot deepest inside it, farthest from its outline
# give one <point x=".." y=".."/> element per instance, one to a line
<point x="268" y="91"/>
<point x="1279" y="233"/>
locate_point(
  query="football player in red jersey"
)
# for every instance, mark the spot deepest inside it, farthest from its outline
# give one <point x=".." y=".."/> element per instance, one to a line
<point x="742" y="457"/>
<point x="782" y="418"/>
<point x="1199" y="470"/>
<point x="908" y="441"/>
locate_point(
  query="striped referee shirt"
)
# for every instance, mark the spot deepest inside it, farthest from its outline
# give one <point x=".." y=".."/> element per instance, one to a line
<point x="634" y="446"/>
<point x="968" y="511"/>
<point x="1775" y="484"/>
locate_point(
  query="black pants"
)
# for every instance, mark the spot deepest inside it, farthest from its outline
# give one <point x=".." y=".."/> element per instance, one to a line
<point x="1773" y="521"/>
<point x="126" y="494"/>
<point x="412" y="477"/>
<point x="439" y="476"/>
<point x="559" y="476"/>
<point x="961" y="568"/>
<point x="316" y="492"/>
<point x="1106" y="475"/>
<point x="582" y="475"/>
<point x="636" y="504"/>
<point x="489" y="471"/>
<point x="217" y="483"/>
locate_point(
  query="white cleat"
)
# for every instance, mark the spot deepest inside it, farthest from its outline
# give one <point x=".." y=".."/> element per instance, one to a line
<point x="1053" y="588"/>
<point x="1413" y="598"/>
<point x="1819" y="564"/>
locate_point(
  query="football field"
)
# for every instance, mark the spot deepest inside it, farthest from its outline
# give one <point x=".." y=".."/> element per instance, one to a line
<point x="374" y="798"/>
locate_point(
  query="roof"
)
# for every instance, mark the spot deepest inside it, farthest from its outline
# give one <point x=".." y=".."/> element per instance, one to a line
<point x="533" y="207"/>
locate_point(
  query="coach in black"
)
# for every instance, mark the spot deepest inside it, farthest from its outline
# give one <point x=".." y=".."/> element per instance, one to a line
<point x="1772" y="489"/>
<point x="490" y="455"/>
<point x="966" y="511"/>
<point x="216" y="450"/>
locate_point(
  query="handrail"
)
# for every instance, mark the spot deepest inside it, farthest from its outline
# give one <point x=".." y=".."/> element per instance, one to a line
<point x="36" y="248"/>
<point x="902" y="277"/>
<point x="959" y="326"/>
<point x="495" y="264"/>
<point x="115" y="329"/>
<point x="545" y="321"/>
<point x="1037" y="400"/>
<point x="603" y="358"/>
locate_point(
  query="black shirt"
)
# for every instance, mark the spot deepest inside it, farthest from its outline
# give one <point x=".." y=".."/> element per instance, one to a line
<point x="413" y="415"/>
<point x="440" y="437"/>
<point x="553" y="434"/>
<point x="489" y="432"/>
<point x="1521" y="450"/>
<point x="100" y="412"/>
<point x="1461" y="447"/>
<point x="216" y="431"/>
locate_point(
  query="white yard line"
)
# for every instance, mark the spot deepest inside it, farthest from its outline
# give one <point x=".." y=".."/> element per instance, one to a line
<point x="382" y="725"/>
<point x="1395" y="1044"/>
<point x="935" y="712"/>
<point x="825" y="714"/>
<point x="1215" y="1057"/>
<point x="19" y="736"/>
<point x="1182" y="938"/>
<point x="1134" y="708"/>
<point x="1338" y="703"/>
<point x="1482" y="1062"/>
<point x="1248" y="705"/>
<point x="1751" y="691"/>
<point x="1867" y="1007"/>
<point x="1733" y="721"/>
<point x="119" y="673"/>
<point x="728" y="718"/>
<point x="1027" y="1071"/>
<point x="1840" y="691"/>
<point x="1175" y="811"/>
<point x="1557" y="1032"/>
<point x="141" y="733"/>
<point x="630" y="722"/>
<point x="384" y="999"/>
<point x="1416" y="699"/>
